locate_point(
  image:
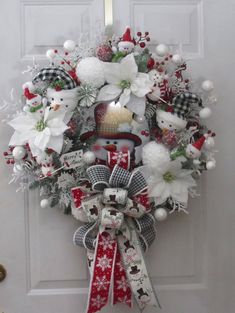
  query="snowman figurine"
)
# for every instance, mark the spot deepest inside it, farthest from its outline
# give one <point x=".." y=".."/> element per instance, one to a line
<point x="63" y="100"/>
<point x="113" y="132"/>
<point x="193" y="150"/>
<point x="33" y="100"/>
<point x="125" y="46"/>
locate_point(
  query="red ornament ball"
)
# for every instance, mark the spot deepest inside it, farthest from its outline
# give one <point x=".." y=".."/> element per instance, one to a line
<point x="150" y="63"/>
<point x="104" y="53"/>
<point x="142" y="45"/>
<point x="139" y="34"/>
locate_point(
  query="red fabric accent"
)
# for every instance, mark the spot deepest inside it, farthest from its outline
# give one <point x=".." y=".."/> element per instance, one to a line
<point x="120" y="158"/>
<point x="102" y="272"/>
<point x="127" y="35"/>
<point x="121" y="289"/>
<point x="199" y="143"/>
<point x="78" y="196"/>
<point x="143" y="199"/>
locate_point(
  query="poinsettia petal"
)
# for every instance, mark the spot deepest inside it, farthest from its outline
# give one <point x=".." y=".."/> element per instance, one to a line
<point x="125" y="97"/>
<point x="56" y="126"/>
<point x="128" y="68"/>
<point x="22" y="123"/>
<point x="136" y="105"/>
<point x="56" y="143"/>
<point x="108" y="93"/>
<point x="42" y="139"/>
<point x="112" y="73"/>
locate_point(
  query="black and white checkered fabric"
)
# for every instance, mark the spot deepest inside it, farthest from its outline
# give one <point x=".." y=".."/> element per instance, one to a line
<point x="51" y="74"/>
<point x="137" y="184"/>
<point x="145" y="227"/>
<point x="119" y="177"/>
<point x="83" y="236"/>
<point x="182" y="103"/>
<point x="98" y="176"/>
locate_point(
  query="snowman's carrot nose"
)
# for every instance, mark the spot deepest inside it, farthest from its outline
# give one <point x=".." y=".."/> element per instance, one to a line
<point x="110" y="148"/>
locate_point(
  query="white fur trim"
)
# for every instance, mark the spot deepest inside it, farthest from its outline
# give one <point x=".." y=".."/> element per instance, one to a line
<point x="29" y="85"/>
<point x="126" y="43"/>
<point x="174" y="119"/>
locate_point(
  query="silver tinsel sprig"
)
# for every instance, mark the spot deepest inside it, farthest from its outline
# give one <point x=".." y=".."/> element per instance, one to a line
<point x="87" y="95"/>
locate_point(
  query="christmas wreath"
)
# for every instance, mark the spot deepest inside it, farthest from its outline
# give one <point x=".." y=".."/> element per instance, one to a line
<point x="113" y="133"/>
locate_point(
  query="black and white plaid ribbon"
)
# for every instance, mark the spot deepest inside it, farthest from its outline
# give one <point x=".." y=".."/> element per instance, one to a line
<point x="52" y="74"/>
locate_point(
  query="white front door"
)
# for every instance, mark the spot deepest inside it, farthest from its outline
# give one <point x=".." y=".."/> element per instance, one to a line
<point x="192" y="262"/>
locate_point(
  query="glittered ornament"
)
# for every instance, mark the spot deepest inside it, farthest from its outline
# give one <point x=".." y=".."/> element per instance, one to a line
<point x="205" y="113"/>
<point x="160" y="214"/>
<point x="104" y="53"/>
<point x="18" y="153"/>
<point x="177" y="59"/>
<point x="207" y="85"/>
<point x="89" y="157"/>
<point x="162" y="50"/>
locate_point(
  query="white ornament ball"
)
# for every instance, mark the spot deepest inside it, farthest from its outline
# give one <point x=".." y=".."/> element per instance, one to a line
<point x="205" y="113"/>
<point x="162" y="50"/>
<point x="69" y="45"/>
<point x="209" y="143"/>
<point x="50" y="54"/>
<point x="210" y="165"/>
<point x="160" y="214"/>
<point x="177" y="59"/>
<point x="207" y="85"/>
<point x="45" y="203"/>
<point x="139" y="119"/>
<point x="18" y="153"/>
<point x="90" y="71"/>
<point x="89" y="157"/>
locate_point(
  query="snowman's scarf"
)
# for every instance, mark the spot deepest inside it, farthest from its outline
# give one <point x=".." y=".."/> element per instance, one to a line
<point x="116" y="207"/>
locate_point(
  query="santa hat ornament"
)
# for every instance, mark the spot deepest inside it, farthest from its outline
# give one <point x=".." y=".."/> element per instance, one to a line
<point x="32" y="99"/>
<point x="127" y="43"/>
<point x="193" y="150"/>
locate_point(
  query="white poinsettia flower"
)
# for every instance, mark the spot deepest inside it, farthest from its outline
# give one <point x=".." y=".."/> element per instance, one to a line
<point x="125" y="81"/>
<point x="172" y="181"/>
<point x="40" y="131"/>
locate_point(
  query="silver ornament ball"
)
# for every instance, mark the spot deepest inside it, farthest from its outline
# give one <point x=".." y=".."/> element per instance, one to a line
<point x="139" y="119"/>
<point x="160" y="214"/>
<point x="89" y="157"/>
<point x="205" y="113"/>
<point x="18" y="153"/>
<point x="45" y="203"/>
<point x="210" y="165"/>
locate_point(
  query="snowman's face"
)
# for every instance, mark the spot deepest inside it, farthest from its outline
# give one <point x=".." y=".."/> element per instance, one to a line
<point x="103" y="145"/>
<point x="163" y="124"/>
<point x="62" y="100"/>
<point x="34" y="102"/>
<point x="192" y="152"/>
<point x="125" y="47"/>
<point x="156" y="77"/>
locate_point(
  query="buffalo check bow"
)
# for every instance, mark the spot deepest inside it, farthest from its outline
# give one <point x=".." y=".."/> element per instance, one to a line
<point x="115" y="205"/>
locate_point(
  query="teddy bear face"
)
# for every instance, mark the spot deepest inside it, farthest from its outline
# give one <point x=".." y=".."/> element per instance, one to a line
<point x="156" y="77"/>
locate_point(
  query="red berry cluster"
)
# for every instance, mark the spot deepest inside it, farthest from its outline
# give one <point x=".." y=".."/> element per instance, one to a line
<point x="8" y="156"/>
<point x="142" y="39"/>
